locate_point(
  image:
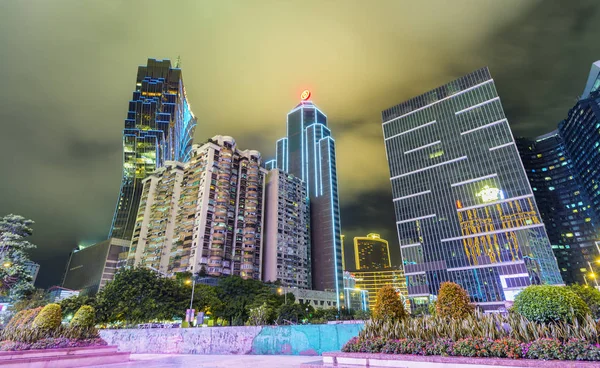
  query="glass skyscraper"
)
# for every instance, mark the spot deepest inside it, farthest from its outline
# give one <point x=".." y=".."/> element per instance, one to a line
<point x="308" y="152"/>
<point x="465" y="210"/>
<point x="564" y="205"/>
<point x="159" y="127"/>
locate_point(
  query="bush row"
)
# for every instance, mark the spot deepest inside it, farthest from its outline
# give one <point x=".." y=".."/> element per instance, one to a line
<point x="41" y="328"/>
<point x="544" y="348"/>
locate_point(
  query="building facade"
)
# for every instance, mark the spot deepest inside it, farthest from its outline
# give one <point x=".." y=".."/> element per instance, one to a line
<point x="32" y="269"/>
<point x="155" y="223"/>
<point x="286" y="252"/>
<point x="465" y="210"/>
<point x="89" y="269"/>
<point x="372" y="281"/>
<point x="159" y="127"/>
<point x="206" y="214"/>
<point x="564" y="205"/>
<point x="308" y="153"/>
<point x="371" y="253"/>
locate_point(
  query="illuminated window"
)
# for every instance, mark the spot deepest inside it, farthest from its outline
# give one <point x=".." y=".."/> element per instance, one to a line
<point x="436" y="154"/>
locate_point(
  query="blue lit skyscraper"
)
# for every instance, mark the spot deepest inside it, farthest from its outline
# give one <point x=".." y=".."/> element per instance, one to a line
<point x="308" y="152"/>
<point x="464" y="208"/>
<point x="159" y="127"/>
<point x="564" y="205"/>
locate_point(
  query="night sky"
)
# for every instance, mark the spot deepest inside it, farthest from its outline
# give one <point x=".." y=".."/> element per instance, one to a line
<point x="68" y="69"/>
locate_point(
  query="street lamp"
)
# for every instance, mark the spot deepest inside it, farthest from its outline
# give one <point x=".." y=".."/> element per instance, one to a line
<point x="281" y="290"/>
<point x="193" y="282"/>
<point x="7" y="264"/>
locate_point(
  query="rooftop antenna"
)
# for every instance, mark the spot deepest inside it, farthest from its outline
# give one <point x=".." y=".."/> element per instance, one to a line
<point x="178" y="65"/>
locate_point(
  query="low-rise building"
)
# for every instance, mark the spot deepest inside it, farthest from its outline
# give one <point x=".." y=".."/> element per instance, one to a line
<point x="91" y="268"/>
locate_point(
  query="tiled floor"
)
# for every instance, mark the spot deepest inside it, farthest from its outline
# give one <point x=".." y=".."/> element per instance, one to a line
<point x="212" y="361"/>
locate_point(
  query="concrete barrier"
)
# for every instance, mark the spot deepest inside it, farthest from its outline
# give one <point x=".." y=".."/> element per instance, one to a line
<point x="267" y="340"/>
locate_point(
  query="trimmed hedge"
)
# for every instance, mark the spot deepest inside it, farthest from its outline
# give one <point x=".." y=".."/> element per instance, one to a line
<point x="546" y="349"/>
<point x="453" y="301"/>
<point x="49" y="319"/>
<point x="546" y="303"/>
<point x="388" y="305"/>
<point x="84" y="317"/>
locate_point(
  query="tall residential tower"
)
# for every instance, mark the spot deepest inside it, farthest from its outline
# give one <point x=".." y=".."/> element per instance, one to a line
<point x="159" y="127"/>
<point x="464" y="208"/>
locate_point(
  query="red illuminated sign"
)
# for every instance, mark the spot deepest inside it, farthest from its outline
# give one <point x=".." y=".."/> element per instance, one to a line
<point x="305" y="95"/>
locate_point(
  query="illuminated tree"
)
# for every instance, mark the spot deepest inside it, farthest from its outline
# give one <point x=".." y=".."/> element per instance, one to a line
<point x="389" y="306"/>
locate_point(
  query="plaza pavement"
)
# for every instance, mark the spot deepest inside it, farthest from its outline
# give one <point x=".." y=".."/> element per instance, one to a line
<point x="212" y="361"/>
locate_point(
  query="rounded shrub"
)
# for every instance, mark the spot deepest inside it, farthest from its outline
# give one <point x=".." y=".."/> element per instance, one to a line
<point x="453" y="302"/>
<point x="84" y="317"/>
<point x="388" y="306"/>
<point x="49" y="319"/>
<point x="546" y="303"/>
<point x="590" y="296"/>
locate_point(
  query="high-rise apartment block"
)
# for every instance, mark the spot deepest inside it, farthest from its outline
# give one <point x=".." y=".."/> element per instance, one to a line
<point x="371" y="253"/>
<point x="287" y="233"/>
<point x="308" y="153"/>
<point x="159" y="127"/>
<point x="155" y="223"/>
<point x="465" y="210"/>
<point x="564" y="205"/>
<point x="205" y="214"/>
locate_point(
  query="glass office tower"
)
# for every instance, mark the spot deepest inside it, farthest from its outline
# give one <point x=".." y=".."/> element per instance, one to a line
<point x="308" y="152"/>
<point x="159" y="127"/>
<point x="564" y="205"/>
<point x="465" y="210"/>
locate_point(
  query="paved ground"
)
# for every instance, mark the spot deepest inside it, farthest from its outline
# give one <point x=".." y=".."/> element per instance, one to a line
<point x="212" y="361"/>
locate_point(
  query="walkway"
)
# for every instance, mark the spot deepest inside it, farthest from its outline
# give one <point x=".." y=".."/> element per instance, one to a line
<point x="213" y="361"/>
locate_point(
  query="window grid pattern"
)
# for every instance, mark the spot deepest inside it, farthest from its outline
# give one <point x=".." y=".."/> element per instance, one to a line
<point x="476" y="216"/>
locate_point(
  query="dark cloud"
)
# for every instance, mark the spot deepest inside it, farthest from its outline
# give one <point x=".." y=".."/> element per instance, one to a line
<point x="68" y="68"/>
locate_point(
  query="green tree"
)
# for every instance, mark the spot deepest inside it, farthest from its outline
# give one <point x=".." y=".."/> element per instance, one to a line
<point x="37" y="298"/>
<point x="205" y="298"/>
<point x="291" y="314"/>
<point x="15" y="281"/>
<point x="140" y="295"/>
<point x="591" y="297"/>
<point x="388" y="305"/>
<point x="71" y="305"/>
<point x="259" y="316"/>
<point x="453" y="301"/>
<point x="237" y="296"/>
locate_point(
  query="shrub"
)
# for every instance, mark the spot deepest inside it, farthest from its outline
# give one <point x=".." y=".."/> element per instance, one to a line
<point x="19" y="328"/>
<point x="259" y="316"/>
<point x="48" y="320"/>
<point x="590" y="296"/>
<point x="506" y="348"/>
<point x="14" y="346"/>
<point x="453" y="301"/>
<point x="388" y="306"/>
<point x="546" y="349"/>
<point x="84" y="317"/>
<point x="545" y="303"/>
<point x="185" y="324"/>
<point x="473" y="347"/>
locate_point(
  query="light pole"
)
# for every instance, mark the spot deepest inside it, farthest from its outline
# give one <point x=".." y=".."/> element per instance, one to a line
<point x="282" y="290"/>
<point x="193" y="282"/>
<point x="592" y="274"/>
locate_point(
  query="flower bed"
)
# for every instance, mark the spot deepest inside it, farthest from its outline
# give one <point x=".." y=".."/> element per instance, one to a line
<point x="544" y="348"/>
<point x="51" y="343"/>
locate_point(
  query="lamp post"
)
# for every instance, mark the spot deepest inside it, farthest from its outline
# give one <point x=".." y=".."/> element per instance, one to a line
<point x="282" y="290"/>
<point x="193" y="282"/>
<point x="592" y="274"/>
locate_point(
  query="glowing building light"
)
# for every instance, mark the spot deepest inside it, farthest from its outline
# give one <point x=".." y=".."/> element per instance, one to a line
<point x="488" y="194"/>
<point x="305" y="95"/>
